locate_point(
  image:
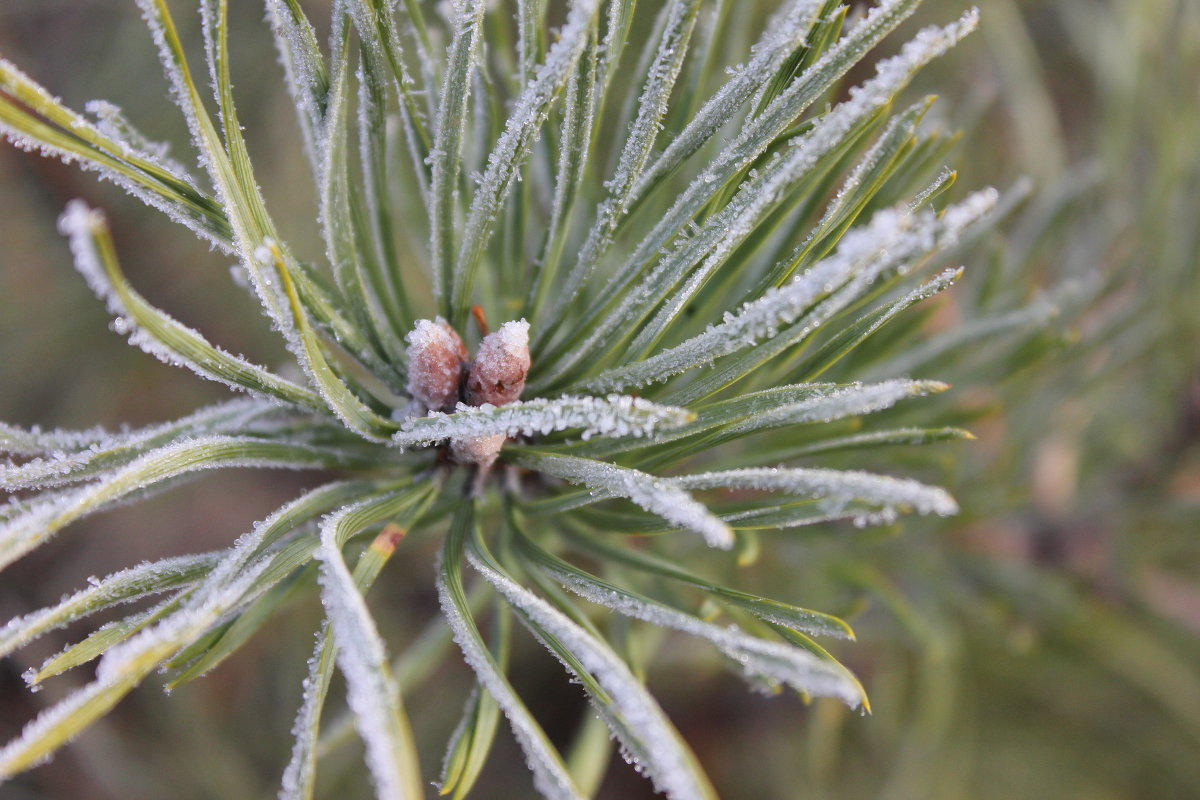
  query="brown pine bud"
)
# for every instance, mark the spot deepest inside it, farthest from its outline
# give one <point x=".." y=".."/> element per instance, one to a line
<point x="479" y="450"/>
<point x="498" y="374"/>
<point x="436" y="355"/>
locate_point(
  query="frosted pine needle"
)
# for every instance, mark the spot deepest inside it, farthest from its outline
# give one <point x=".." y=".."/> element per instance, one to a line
<point x="637" y="220"/>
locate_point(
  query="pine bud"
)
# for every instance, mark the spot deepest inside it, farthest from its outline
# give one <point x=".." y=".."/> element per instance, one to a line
<point x="479" y="450"/>
<point x="498" y="374"/>
<point x="436" y="355"/>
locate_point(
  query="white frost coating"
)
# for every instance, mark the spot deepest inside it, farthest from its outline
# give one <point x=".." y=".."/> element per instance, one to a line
<point x="302" y="66"/>
<point x="225" y="587"/>
<point x="550" y="776"/>
<point x="775" y="661"/>
<point x="741" y="219"/>
<point x="787" y="405"/>
<point x="298" y="775"/>
<point x="436" y="357"/>
<point x="112" y="131"/>
<point x="938" y="283"/>
<point x="127" y="664"/>
<point x="53" y="470"/>
<point x="578" y="117"/>
<point x="818" y="316"/>
<point x="899" y="127"/>
<point x="77" y="654"/>
<point x="615" y="415"/>
<point x="938" y="182"/>
<point x="125" y="586"/>
<point x="389" y="49"/>
<point x="512" y="335"/>
<point x="855" y="43"/>
<point x="82" y="456"/>
<point x="175" y="211"/>
<point x="373" y="125"/>
<point x="657" y="495"/>
<point x="98" y="693"/>
<point x="851" y="401"/>
<point x="111" y="121"/>
<point x="652" y="105"/>
<point x="529" y="112"/>
<point x="426" y="333"/>
<point x="890" y="240"/>
<point x="891" y="75"/>
<point x="334" y="392"/>
<point x="45" y="515"/>
<point x="37" y="442"/>
<point x="456" y="736"/>
<point x="249" y="240"/>
<point x="445" y="157"/>
<point x="371" y="691"/>
<point x="179" y="88"/>
<point x="764" y="128"/>
<point x="209" y="19"/>
<point x="722" y="233"/>
<point x="785" y="31"/>
<point x="658" y="749"/>
<point x="332" y="182"/>
<point x="501" y="365"/>
<point x="31" y="93"/>
<point x="19" y="84"/>
<point x="79" y="224"/>
<point x="526" y="37"/>
<point x="836" y="486"/>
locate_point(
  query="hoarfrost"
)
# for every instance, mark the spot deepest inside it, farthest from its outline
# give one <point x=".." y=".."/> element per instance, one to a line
<point x="36" y="442"/>
<point x="43" y="516"/>
<point x="530" y="110"/>
<point x="497" y="376"/>
<point x="111" y="122"/>
<point x="760" y="194"/>
<point x="646" y="733"/>
<point x="549" y="774"/>
<point x="849" y="401"/>
<point x="109" y="451"/>
<point x="652" y="105"/>
<point x="892" y="237"/>
<point x="299" y="772"/>
<point x="445" y="156"/>
<point x="775" y="661"/>
<point x="128" y="663"/>
<point x="372" y="693"/>
<point x="725" y="230"/>
<point x="80" y="225"/>
<point x="785" y="31"/>
<point x="436" y="355"/>
<point x="838" y="486"/>
<point x="615" y="415"/>
<point x="659" y="496"/>
<point x="304" y="69"/>
<point x="120" y="587"/>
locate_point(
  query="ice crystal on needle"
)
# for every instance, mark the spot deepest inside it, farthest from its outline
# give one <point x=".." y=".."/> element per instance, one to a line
<point x="612" y="416"/>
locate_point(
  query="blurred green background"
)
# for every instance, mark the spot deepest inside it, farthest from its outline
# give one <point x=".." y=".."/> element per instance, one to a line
<point x="1043" y="644"/>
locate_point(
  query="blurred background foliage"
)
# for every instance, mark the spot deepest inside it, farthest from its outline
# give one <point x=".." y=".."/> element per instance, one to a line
<point x="1043" y="644"/>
